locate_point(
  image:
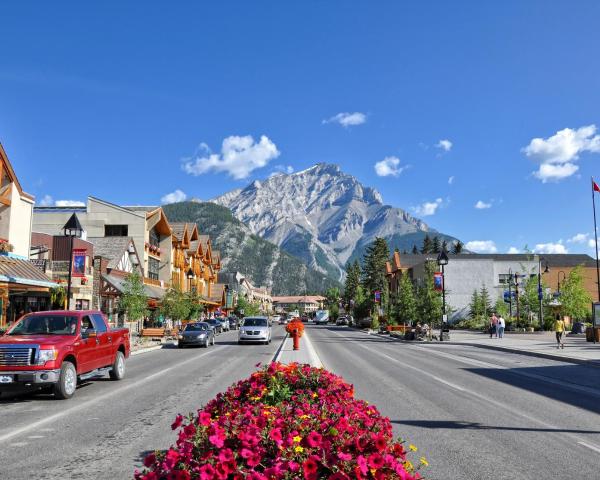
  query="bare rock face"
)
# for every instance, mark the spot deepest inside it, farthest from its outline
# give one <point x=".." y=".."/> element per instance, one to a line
<point x="321" y="215"/>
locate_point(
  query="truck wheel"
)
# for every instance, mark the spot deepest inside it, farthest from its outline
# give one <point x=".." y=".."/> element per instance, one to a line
<point x="67" y="382"/>
<point x="118" y="368"/>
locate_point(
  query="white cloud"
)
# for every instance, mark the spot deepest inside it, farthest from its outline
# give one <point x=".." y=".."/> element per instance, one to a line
<point x="591" y="243"/>
<point x="558" y="153"/>
<point x="451" y="180"/>
<point x="550" y="248"/>
<point x="482" y="205"/>
<point x="69" y="203"/>
<point x="428" y="208"/>
<point x="445" y="145"/>
<point x="579" y="238"/>
<point x="239" y="157"/>
<point x="389" y="166"/>
<point x="347" y="119"/>
<point x="173" y="197"/>
<point x="46" y="201"/>
<point x="482" y="246"/>
<point x="513" y="250"/>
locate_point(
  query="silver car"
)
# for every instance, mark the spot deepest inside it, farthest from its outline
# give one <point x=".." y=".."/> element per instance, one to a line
<point x="255" y="330"/>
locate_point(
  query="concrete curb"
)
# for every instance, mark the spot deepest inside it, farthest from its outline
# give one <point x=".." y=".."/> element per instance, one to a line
<point x="312" y="353"/>
<point x="146" y="350"/>
<point x="549" y="356"/>
<point x="280" y="349"/>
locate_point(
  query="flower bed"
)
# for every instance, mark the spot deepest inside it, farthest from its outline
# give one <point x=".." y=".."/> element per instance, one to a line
<point x="284" y="422"/>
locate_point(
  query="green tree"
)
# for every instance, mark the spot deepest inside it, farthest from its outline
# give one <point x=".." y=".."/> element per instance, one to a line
<point x="427" y="244"/>
<point x="429" y="301"/>
<point x="475" y="310"/>
<point x="444" y="245"/>
<point x="134" y="301"/>
<point x="415" y="250"/>
<point x="352" y="282"/>
<point x="457" y="247"/>
<point x="58" y="297"/>
<point x="374" y="276"/>
<point x="194" y="305"/>
<point x="486" y="302"/>
<point x="406" y="305"/>
<point x="576" y="301"/>
<point x="175" y="305"/>
<point x="435" y="245"/>
<point x="249" y="308"/>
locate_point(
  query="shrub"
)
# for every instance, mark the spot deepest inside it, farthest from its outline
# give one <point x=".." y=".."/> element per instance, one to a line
<point x="284" y="422"/>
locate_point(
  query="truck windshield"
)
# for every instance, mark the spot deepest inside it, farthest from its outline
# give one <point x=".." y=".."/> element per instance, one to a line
<point x="45" y="325"/>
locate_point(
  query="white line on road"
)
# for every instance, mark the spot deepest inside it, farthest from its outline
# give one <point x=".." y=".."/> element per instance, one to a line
<point x="591" y="447"/>
<point x="112" y="393"/>
<point x="315" y="361"/>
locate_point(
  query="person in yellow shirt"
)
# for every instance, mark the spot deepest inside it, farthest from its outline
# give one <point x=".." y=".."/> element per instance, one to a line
<point x="559" y="328"/>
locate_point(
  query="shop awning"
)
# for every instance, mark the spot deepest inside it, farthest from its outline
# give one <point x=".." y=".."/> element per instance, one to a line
<point x="19" y="270"/>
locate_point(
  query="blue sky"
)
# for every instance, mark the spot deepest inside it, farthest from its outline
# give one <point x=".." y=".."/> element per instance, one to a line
<point x="131" y="101"/>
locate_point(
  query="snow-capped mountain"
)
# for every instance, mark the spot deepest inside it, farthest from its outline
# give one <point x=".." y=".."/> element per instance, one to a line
<point x="323" y="216"/>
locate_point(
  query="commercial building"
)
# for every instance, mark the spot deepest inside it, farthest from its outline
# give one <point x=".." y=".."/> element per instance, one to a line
<point x="241" y="286"/>
<point x="303" y="303"/>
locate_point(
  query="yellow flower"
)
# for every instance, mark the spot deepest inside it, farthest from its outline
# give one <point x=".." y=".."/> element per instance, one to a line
<point x="373" y="471"/>
<point x="412" y="447"/>
<point x="314" y="395"/>
<point x="297" y="439"/>
<point x="304" y="417"/>
<point x="424" y="461"/>
<point x="408" y="465"/>
<point x="298" y="449"/>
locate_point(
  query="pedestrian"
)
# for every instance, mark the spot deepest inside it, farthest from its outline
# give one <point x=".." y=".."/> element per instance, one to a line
<point x="493" y="325"/>
<point x="501" y="326"/>
<point x="559" y="328"/>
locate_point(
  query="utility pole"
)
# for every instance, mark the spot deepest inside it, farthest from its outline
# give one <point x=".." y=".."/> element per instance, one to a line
<point x="517" y="293"/>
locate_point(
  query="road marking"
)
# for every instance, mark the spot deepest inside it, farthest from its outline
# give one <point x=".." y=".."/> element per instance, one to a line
<point x="482" y="398"/>
<point x="591" y="447"/>
<point x="118" y="391"/>
<point x="280" y="349"/>
<point x="315" y="360"/>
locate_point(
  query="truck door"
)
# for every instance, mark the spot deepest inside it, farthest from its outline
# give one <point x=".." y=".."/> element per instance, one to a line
<point x="88" y="347"/>
<point x="105" y="340"/>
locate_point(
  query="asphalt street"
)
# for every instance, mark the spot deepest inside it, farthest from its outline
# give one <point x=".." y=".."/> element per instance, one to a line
<point x="475" y="413"/>
<point x="104" y="431"/>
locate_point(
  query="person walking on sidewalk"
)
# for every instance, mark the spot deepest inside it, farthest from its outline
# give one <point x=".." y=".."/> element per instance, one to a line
<point x="493" y="325"/>
<point x="501" y="326"/>
<point x="559" y="328"/>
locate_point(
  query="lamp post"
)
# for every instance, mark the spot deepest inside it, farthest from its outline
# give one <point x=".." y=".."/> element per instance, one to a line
<point x="442" y="261"/>
<point x="540" y="291"/>
<point x="564" y="278"/>
<point x="71" y="229"/>
<point x="510" y="293"/>
<point x="190" y="277"/>
<point x="517" y="295"/>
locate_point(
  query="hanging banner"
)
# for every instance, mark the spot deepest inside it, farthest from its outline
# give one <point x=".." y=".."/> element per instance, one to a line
<point x="377" y="296"/>
<point x="438" y="281"/>
<point x="78" y="269"/>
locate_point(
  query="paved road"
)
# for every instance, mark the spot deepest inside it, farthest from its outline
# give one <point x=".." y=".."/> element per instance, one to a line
<point x="102" y="432"/>
<point x="476" y="414"/>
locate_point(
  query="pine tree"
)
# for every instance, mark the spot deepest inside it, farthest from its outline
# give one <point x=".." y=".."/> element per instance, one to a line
<point x="444" y="245"/>
<point x="486" y="303"/>
<point x="406" y="306"/>
<point x="404" y="252"/>
<point x="475" y="306"/>
<point x="427" y="245"/>
<point x="374" y="277"/>
<point x="435" y="245"/>
<point x="429" y="301"/>
<point x="457" y="247"/>
<point x="352" y="282"/>
<point x="415" y="250"/>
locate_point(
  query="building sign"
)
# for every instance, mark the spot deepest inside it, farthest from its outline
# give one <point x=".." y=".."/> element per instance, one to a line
<point x="377" y="296"/>
<point x="438" y="281"/>
<point x="78" y="269"/>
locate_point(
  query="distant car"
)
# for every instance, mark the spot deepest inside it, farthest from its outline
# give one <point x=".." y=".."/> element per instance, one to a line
<point x="198" y="333"/>
<point x="283" y="320"/>
<point x="304" y="318"/>
<point x="342" y="320"/>
<point x="224" y="323"/>
<point x="365" y="322"/>
<point x="216" y="325"/>
<point x="321" y="317"/>
<point x="255" y="329"/>
<point x="234" y="323"/>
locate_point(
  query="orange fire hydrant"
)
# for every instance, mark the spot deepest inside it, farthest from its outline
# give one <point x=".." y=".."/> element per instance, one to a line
<point x="295" y="328"/>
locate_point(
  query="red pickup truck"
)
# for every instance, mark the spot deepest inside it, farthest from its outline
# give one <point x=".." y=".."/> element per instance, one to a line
<point x="56" y="349"/>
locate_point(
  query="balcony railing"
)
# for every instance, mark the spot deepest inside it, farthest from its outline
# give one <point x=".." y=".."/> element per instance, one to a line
<point x="155" y="283"/>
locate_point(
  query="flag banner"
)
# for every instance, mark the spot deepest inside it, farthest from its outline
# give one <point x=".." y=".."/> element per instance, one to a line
<point x="438" y="281"/>
<point x="377" y="296"/>
<point x="595" y="186"/>
<point x="78" y="269"/>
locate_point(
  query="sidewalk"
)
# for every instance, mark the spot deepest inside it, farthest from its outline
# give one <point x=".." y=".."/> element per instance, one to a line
<point x="306" y="354"/>
<point x="541" y="344"/>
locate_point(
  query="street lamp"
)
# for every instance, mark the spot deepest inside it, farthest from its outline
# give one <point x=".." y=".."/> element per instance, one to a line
<point x="71" y="229"/>
<point x="442" y="261"/>
<point x="540" y="292"/>
<point x="564" y="278"/>
<point x="190" y="276"/>
<point x="510" y="293"/>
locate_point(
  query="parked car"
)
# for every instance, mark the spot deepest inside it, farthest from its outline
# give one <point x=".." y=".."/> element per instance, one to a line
<point x="56" y="349"/>
<point x="283" y="320"/>
<point x="255" y="329"/>
<point x="342" y="320"/>
<point x="216" y="325"/>
<point x="365" y="322"/>
<point x="224" y="323"/>
<point x="197" y="333"/>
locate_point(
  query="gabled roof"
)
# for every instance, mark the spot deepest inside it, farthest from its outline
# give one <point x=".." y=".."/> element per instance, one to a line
<point x="113" y="248"/>
<point x="217" y="293"/>
<point x="12" y="175"/>
<point x="19" y="270"/>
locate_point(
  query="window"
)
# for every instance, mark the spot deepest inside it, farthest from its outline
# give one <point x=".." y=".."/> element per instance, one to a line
<point x="153" y="265"/>
<point x="503" y="278"/>
<point x="86" y="324"/>
<point x="99" y="322"/>
<point x="82" y="304"/>
<point x="115" y="230"/>
<point x="154" y="238"/>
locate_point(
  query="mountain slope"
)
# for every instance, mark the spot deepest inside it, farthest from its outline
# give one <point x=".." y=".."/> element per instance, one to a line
<point x="323" y="216"/>
<point x="261" y="261"/>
